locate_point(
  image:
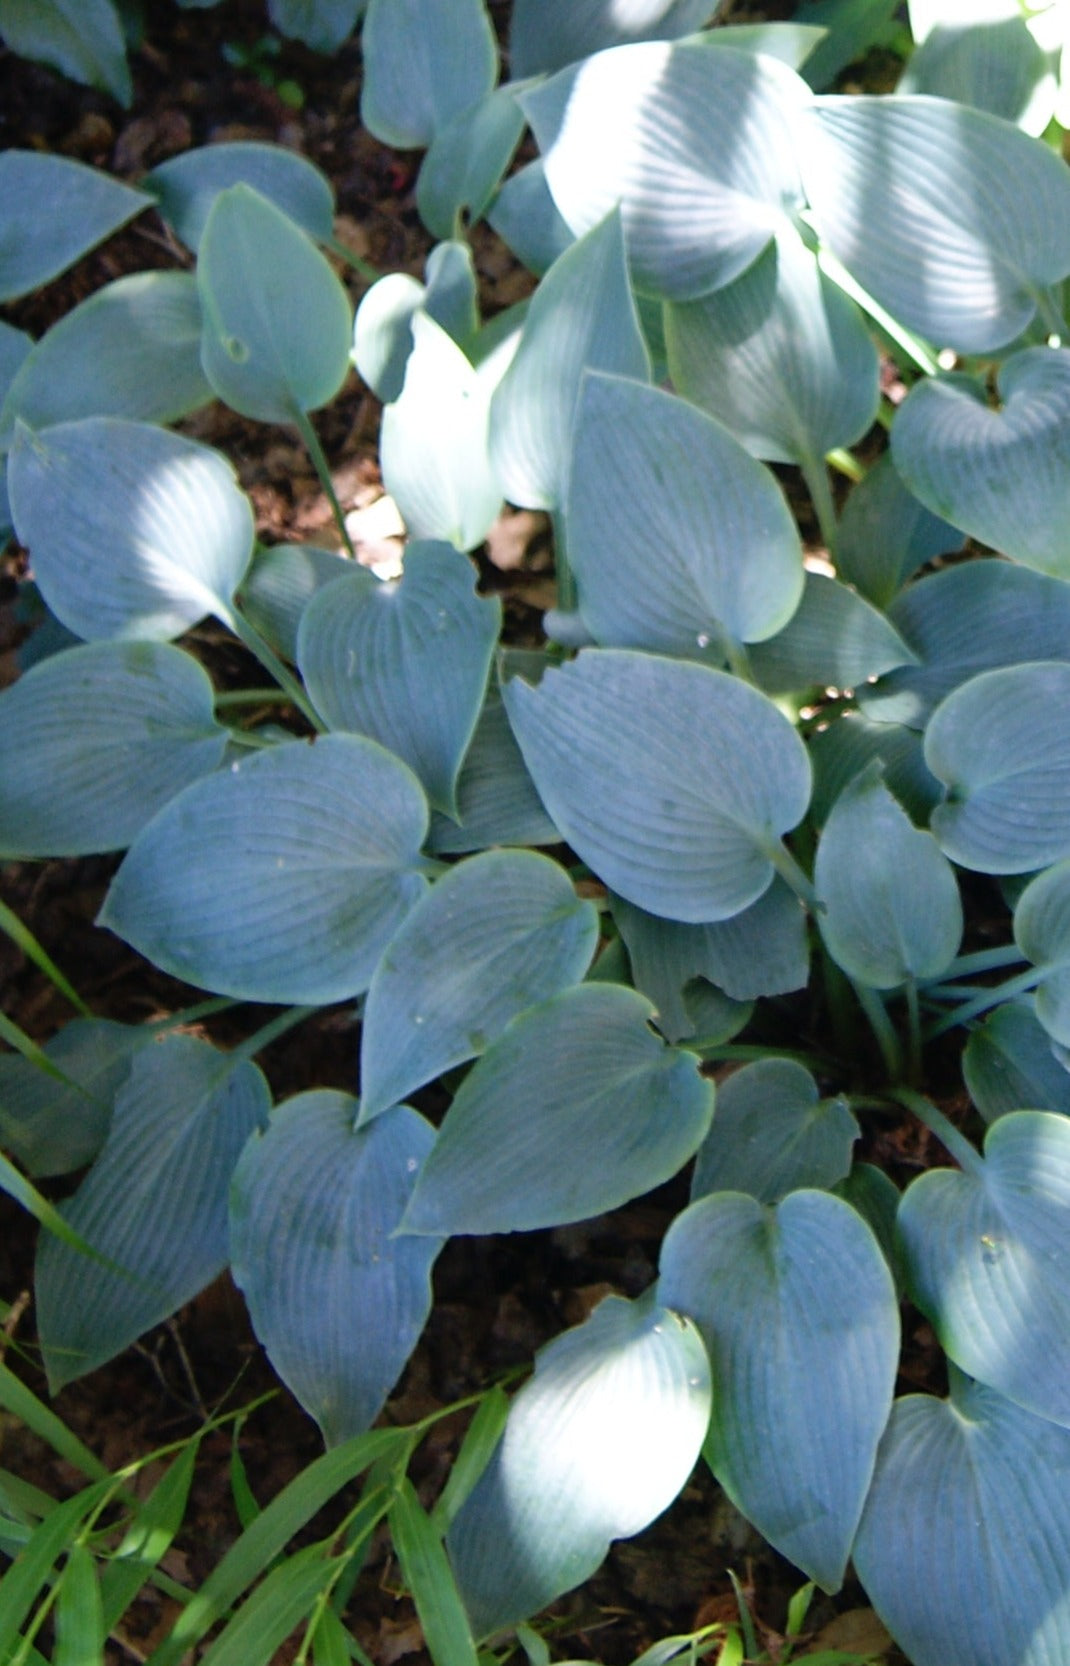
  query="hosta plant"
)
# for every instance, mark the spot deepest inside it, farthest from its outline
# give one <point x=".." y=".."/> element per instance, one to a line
<point x="804" y="816"/>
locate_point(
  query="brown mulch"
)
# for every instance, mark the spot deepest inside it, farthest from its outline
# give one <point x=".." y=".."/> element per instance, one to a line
<point x="496" y="1299"/>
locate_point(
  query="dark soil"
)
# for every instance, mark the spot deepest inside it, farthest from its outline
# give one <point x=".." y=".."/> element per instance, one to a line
<point x="496" y="1300"/>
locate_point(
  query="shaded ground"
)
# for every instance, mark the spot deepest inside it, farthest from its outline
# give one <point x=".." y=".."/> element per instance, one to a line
<point x="498" y="1299"/>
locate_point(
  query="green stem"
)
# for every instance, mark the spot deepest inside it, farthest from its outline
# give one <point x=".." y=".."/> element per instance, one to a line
<point x="842" y="1010"/>
<point x="566" y="584"/>
<point x="966" y="1155"/>
<point x="319" y="463"/>
<point x="816" y="476"/>
<point x="883" y="1029"/>
<point x="271" y="1031"/>
<point x="913" y="1033"/>
<point x="1050" y="316"/>
<point x="1021" y="985"/>
<point x="912" y="345"/>
<point x="364" y="267"/>
<point x="846" y="464"/>
<point x="789" y="870"/>
<point x="982" y="960"/>
<point x="251" y="697"/>
<point x="273" y="665"/>
<point x="739" y="1053"/>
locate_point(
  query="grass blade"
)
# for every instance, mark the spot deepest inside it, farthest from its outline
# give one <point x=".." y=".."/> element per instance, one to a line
<point x="428" y="1575"/>
<point x="24" y="939"/>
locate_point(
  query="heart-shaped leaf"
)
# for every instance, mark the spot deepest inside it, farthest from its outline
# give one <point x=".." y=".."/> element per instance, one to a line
<point x="781" y="356"/>
<point x="83" y="39"/>
<point x="1042" y="932"/>
<point x="277" y="322"/>
<point x="548" y="34"/>
<point x="495" y="935"/>
<point x="186" y="186"/>
<point x="465" y="162"/>
<point x="132" y="350"/>
<point x="83" y="207"/>
<point x="962" y="621"/>
<point x="1009" y="1064"/>
<point x="1002" y="475"/>
<point x="582" y="317"/>
<point x="886" y="534"/>
<point x="337" y="1301"/>
<point x="834" y="639"/>
<point x="154" y="1203"/>
<point x="405" y="661"/>
<point x="988" y="1255"/>
<point x="951" y="218"/>
<point x="773" y="1134"/>
<point x="798" y="1312"/>
<point x="1000" y="744"/>
<point x="680" y="541"/>
<point x="760" y="951"/>
<point x="596" y="1445"/>
<point x="382" y="332"/>
<point x="423" y="65"/>
<point x="610" y="1113"/>
<point x="134" y="531"/>
<point x="697" y="147"/>
<point x="993" y="63"/>
<point x="52" y="1127"/>
<point x="892" y="910"/>
<point x="496" y="799"/>
<point x="282" y="878"/>
<point x="433" y="444"/>
<point x="715" y="775"/>
<point x="95" y="740"/>
<point x="965" y="1538"/>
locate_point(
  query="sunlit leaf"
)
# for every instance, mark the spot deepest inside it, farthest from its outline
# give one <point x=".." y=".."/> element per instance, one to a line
<point x="994" y="65"/>
<point x="548" y="34"/>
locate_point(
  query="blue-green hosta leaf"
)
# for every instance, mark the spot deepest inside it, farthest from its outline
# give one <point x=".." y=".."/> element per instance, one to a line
<point x="850" y="742"/>
<point x="336" y="1300"/>
<point x="773" y="1133"/>
<point x="54" y="211"/>
<point x="278" y="585"/>
<point x="892" y="910"/>
<point x="545" y="35"/>
<point x="526" y="217"/>
<point x="834" y="639"/>
<point x="988" y="1253"/>
<point x="423" y="65"/>
<point x="133" y="531"/>
<point x="1042" y="932"/>
<point x="277" y="322"/>
<point x="154" y="1203"/>
<point x="433" y="443"/>
<point x="793" y="43"/>
<point x="324" y="25"/>
<point x="95" y="740"/>
<point x="496" y="799"/>
<point x="281" y="879"/>
<point x="798" y="1311"/>
<point x="760" y="951"/>
<point x="15" y="346"/>
<point x="405" y="661"/>
<point x="967" y="619"/>
<point x="951" y="218"/>
<point x="1009" y="1064"/>
<point x="680" y="541"/>
<point x="876" y="1198"/>
<point x="382" y="332"/>
<point x="1000" y="743"/>
<point x="886" y="534"/>
<point x="132" y="350"/>
<point x="850" y="28"/>
<point x="83" y="39"/>
<point x="965" y="1539"/>
<point x="1002" y="475"/>
<point x="596" y="1445"/>
<point x="186" y="186"/>
<point x="51" y="1128"/>
<point x="781" y="356"/>
<point x="465" y="163"/>
<point x="697" y="146"/>
<point x="716" y="774"/>
<point x="582" y="317"/>
<point x="992" y="65"/>
<point x="497" y="934"/>
<point x="610" y="1113"/>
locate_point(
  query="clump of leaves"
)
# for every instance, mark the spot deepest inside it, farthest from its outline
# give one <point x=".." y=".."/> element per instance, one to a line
<point x="771" y="774"/>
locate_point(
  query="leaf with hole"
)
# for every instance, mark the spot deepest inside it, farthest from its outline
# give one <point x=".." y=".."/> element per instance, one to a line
<point x="798" y="1312"/>
<point x="610" y="1113"/>
<point x="134" y="532"/>
<point x="496" y="934"/>
<point x="597" y="1444"/>
<point x="717" y="774"/>
<point x="282" y="878"/>
<point x="337" y="1301"/>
